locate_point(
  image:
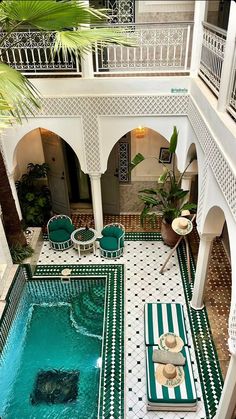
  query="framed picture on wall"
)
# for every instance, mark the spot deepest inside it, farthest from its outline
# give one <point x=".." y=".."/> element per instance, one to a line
<point x="165" y="156"/>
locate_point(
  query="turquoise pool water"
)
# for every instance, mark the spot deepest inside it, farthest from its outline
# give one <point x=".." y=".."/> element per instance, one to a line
<point x="60" y="332"/>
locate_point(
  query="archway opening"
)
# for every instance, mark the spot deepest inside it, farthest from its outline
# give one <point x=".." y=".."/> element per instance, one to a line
<point x="69" y="186"/>
<point x="218" y="289"/>
<point x="120" y="187"/>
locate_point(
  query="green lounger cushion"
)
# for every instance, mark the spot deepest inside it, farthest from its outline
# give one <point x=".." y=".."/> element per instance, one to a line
<point x="157" y="394"/>
<point x="59" y="236"/>
<point x="161" y="318"/>
<point x="108" y="243"/>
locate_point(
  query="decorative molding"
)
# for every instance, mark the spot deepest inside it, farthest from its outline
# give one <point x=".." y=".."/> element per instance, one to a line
<point x="91" y="107"/>
<point x="214" y="158"/>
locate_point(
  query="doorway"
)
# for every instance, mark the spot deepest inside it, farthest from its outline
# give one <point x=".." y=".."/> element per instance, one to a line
<point x="69" y="185"/>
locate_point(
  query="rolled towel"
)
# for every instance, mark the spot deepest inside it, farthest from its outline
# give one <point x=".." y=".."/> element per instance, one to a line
<point x="167" y="357"/>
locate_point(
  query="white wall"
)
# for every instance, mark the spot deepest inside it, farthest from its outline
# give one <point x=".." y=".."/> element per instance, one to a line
<point x="29" y="150"/>
<point x="112" y="128"/>
<point x="149" y="145"/>
<point x="68" y="128"/>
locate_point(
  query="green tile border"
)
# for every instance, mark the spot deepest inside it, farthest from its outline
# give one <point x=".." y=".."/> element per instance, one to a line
<point x="210" y="374"/>
<point x="206" y="355"/>
<point x="111" y="399"/>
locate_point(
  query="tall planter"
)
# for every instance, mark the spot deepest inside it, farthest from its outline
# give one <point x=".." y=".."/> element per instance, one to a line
<point x="170" y="237"/>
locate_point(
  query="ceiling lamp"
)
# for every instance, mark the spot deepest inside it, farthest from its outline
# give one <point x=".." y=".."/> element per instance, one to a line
<point x="140" y="132"/>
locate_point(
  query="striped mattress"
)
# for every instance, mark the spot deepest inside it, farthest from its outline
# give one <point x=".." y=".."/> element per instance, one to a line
<point x="161" y="318"/>
<point x="160" y="397"/>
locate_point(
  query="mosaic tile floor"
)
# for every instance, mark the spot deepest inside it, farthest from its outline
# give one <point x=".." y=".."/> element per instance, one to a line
<point x="142" y="262"/>
<point x="218" y="287"/>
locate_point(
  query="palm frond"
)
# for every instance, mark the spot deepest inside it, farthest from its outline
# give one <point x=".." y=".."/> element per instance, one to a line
<point x="49" y="14"/>
<point x="83" y="41"/>
<point x="17" y="95"/>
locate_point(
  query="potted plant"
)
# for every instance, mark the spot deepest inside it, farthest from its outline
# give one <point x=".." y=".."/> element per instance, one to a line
<point x="168" y="198"/>
<point x="34" y="195"/>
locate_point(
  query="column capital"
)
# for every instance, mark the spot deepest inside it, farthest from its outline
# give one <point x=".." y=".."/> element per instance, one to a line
<point x="95" y="175"/>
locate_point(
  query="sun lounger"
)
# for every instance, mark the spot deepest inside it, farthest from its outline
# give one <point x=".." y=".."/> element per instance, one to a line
<point x="160" y="318"/>
<point x="181" y="398"/>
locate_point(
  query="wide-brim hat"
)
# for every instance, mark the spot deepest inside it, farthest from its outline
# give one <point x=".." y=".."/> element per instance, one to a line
<point x="171" y="342"/>
<point x="169" y="375"/>
<point x="182" y="226"/>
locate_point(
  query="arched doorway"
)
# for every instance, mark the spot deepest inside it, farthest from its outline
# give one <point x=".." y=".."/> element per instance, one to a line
<point x="120" y="187"/>
<point x="67" y="183"/>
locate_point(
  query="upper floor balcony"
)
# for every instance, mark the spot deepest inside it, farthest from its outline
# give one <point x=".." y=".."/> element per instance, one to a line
<point x="163" y="48"/>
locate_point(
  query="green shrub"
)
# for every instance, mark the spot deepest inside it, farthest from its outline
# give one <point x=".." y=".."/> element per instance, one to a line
<point x="34" y="198"/>
<point x="19" y="252"/>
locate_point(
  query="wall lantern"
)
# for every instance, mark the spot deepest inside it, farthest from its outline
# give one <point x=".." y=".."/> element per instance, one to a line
<point x="140" y="132"/>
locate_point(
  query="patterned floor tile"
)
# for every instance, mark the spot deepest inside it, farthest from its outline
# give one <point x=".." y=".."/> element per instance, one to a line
<point x="142" y="260"/>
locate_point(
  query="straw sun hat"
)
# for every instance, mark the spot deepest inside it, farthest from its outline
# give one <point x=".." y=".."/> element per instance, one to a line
<point x="182" y="226"/>
<point x="169" y="375"/>
<point x="171" y="342"/>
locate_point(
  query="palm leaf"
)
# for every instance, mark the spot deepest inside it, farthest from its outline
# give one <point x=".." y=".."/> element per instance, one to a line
<point x="49" y="14"/>
<point x="136" y="160"/>
<point x="17" y="94"/>
<point x="83" y="41"/>
<point x="173" y="140"/>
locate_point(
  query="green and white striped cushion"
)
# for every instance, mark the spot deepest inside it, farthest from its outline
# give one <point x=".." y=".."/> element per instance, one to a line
<point x="184" y="394"/>
<point x="161" y="318"/>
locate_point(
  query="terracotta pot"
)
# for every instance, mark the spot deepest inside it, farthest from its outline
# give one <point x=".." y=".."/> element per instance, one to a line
<point x="170" y="237"/>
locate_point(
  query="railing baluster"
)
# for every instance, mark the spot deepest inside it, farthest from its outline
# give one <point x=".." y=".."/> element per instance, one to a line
<point x="160" y="47"/>
<point x="212" y="56"/>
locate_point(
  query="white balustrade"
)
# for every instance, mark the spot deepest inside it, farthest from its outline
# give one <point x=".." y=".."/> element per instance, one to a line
<point x="232" y="92"/>
<point x="160" y="48"/>
<point x="32" y="52"/>
<point x="212" y="56"/>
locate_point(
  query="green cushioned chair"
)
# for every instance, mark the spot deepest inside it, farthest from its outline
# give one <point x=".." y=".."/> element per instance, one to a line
<point x="59" y="230"/>
<point x="112" y="241"/>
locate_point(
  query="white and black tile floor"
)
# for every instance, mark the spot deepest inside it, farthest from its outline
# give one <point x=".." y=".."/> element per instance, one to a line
<point x="143" y="283"/>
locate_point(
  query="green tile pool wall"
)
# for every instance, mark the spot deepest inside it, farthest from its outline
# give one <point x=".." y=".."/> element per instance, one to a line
<point x="111" y="400"/>
<point x="46" y="290"/>
<point x="12" y="300"/>
<point x="206" y="355"/>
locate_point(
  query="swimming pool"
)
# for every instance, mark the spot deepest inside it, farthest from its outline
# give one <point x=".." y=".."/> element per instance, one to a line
<point x="50" y="366"/>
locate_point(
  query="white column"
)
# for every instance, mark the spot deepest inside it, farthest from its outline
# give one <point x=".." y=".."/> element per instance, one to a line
<point x="203" y="258"/>
<point x="228" y="60"/>
<point x="87" y="59"/>
<point x="199" y="17"/>
<point x="87" y="66"/>
<point x="186" y="184"/>
<point x="14" y="194"/>
<point x="227" y="401"/>
<point x="95" y="179"/>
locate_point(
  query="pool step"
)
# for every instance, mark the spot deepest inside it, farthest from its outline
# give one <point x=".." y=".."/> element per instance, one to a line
<point x="88" y="310"/>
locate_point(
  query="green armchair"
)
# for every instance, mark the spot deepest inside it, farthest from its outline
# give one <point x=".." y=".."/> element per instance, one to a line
<point x="112" y="241"/>
<point x="59" y="230"/>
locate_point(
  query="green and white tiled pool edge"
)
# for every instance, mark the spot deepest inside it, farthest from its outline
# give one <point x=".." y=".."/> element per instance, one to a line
<point x="207" y="359"/>
<point x="111" y="397"/>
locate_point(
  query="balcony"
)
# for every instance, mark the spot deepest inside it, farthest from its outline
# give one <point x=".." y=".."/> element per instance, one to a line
<point x="162" y="48"/>
<point x="212" y="57"/>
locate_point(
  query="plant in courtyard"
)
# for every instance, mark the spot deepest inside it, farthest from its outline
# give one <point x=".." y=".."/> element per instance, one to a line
<point x="34" y="197"/>
<point x="19" y="253"/>
<point x="168" y="198"/>
<point x="18" y="97"/>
